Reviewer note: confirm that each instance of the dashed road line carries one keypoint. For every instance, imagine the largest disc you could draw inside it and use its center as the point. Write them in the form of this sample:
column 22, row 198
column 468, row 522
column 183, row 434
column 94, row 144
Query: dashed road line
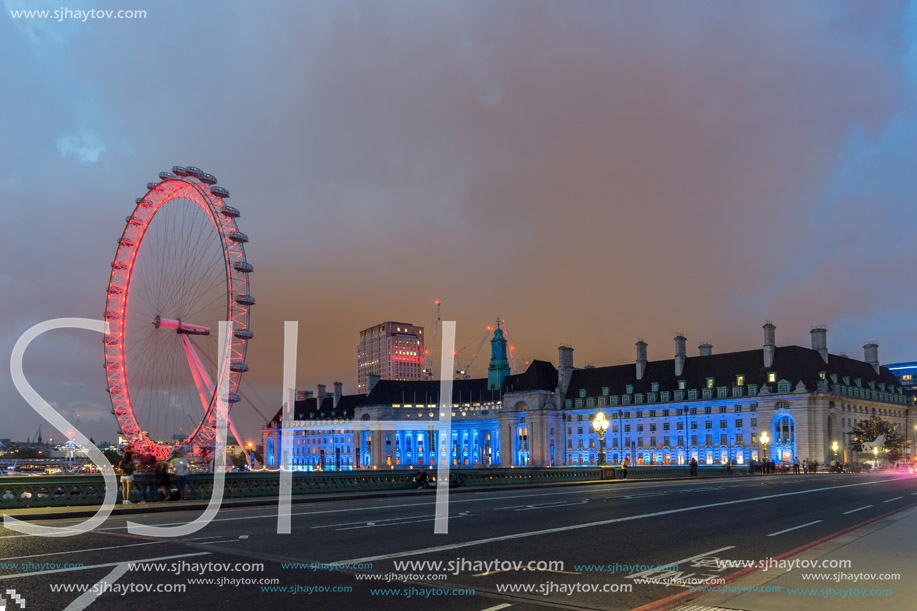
column 786, row 530
column 856, row 510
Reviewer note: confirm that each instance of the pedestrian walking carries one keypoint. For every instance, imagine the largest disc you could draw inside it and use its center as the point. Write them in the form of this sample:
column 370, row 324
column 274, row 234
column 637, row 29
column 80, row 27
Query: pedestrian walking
column 180, row 470
column 163, row 483
column 624, row 468
column 693, row 467
column 126, row 466
column 796, row 466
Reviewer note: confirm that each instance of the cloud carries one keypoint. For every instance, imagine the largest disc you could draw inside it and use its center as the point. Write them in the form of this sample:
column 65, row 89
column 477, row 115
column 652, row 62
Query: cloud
column 591, row 171
column 82, row 144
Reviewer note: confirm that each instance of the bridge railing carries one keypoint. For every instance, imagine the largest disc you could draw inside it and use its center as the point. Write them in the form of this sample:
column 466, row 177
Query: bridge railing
column 50, row 491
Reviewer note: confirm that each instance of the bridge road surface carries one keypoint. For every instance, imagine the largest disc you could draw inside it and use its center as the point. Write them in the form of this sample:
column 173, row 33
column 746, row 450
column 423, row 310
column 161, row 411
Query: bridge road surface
column 688, row 523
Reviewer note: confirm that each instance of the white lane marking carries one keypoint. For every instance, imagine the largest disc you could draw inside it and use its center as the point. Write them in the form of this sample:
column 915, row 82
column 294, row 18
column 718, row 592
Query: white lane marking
column 98, row 566
column 780, row 532
column 897, row 498
column 551, row 505
column 80, row 551
column 89, row 596
column 560, row 529
column 374, row 525
column 680, row 562
column 856, row 510
column 497, row 607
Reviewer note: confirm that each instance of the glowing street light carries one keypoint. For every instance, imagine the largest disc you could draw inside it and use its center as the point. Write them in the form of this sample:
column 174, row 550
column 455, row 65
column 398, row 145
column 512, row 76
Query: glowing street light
column 834, row 447
column 600, row 425
column 765, row 438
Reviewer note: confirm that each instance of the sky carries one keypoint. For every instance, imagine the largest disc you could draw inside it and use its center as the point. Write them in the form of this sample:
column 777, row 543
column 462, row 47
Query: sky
column 593, row 172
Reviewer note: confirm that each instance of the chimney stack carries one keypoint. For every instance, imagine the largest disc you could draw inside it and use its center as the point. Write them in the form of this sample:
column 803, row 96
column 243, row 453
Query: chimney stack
column 373, row 380
column 705, row 349
column 321, row 395
column 641, row 358
column 680, row 354
column 871, row 355
column 338, row 392
column 820, row 341
column 564, row 368
column 770, row 344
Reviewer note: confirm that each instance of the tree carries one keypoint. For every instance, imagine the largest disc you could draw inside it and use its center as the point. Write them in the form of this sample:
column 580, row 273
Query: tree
column 869, row 430
column 238, row 461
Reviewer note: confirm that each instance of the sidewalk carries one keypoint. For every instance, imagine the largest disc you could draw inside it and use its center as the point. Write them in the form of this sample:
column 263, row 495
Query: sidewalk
column 885, row 546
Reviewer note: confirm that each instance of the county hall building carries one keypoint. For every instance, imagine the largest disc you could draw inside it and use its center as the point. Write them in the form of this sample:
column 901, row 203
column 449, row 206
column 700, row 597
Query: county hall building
column 712, row 407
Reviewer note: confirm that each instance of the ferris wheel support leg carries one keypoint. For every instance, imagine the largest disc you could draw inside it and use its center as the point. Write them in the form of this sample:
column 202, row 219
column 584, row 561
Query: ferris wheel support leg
column 205, row 389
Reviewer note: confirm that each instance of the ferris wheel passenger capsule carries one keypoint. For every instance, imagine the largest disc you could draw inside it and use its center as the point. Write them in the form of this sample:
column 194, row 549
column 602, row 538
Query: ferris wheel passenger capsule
column 238, row 236
column 231, row 212
column 166, row 176
column 219, row 191
column 151, row 185
column 179, row 170
column 243, row 266
column 193, row 171
column 209, row 179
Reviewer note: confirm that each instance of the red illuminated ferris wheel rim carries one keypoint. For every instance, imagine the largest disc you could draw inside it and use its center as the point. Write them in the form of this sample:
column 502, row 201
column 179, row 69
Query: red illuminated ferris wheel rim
column 189, row 184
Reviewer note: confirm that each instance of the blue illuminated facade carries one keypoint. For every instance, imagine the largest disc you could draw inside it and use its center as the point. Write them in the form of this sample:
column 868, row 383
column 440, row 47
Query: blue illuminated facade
column 711, row 407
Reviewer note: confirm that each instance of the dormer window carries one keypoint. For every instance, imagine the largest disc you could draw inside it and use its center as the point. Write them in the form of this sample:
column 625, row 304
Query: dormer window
column 654, row 387
column 858, row 382
column 605, row 391
column 822, row 375
column 771, row 377
column 740, row 380
column 692, row 394
column 582, row 393
column 681, row 384
column 710, row 382
column 629, row 389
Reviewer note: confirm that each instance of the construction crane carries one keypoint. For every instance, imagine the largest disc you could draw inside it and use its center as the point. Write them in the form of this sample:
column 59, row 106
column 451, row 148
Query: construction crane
column 430, row 352
column 463, row 372
column 512, row 348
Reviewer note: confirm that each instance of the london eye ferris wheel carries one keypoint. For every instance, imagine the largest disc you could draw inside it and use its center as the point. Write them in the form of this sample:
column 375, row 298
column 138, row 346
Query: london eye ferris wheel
column 179, row 269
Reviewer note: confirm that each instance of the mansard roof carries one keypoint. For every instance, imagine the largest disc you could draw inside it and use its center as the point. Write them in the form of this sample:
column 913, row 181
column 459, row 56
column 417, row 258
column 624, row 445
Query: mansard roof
column 540, row 375
column 791, row 363
column 309, row 409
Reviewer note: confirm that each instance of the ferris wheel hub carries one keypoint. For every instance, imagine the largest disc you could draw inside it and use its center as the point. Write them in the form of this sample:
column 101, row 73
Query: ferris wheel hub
column 179, row 326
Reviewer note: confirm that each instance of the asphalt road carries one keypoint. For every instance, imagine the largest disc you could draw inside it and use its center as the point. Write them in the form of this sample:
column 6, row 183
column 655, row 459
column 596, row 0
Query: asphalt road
column 639, row 525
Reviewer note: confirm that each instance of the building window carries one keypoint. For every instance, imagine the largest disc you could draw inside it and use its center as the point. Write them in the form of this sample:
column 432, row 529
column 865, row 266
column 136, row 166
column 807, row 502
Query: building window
column 665, row 426
column 736, row 391
column 692, row 394
column 582, row 393
column 707, row 393
column 590, row 402
column 723, row 424
column 605, row 391
column 754, row 422
column 752, row 389
column 665, row 396
column 654, row 386
column 629, row 389
column 708, row 425
column 627, row 428
column 639, row 428
column 708, row 410
column 740, row 380
column 771, row 377
column 681, row 384
column 738, row 423
column 710, row 382
column 638, row 398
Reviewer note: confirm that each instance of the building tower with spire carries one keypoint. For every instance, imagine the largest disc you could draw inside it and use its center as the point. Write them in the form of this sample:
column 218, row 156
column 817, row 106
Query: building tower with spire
column 499, row 365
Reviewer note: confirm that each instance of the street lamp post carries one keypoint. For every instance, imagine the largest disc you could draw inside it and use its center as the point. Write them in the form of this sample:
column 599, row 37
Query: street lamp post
column 765, row 438
column 600, row 425
column 875, row 456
